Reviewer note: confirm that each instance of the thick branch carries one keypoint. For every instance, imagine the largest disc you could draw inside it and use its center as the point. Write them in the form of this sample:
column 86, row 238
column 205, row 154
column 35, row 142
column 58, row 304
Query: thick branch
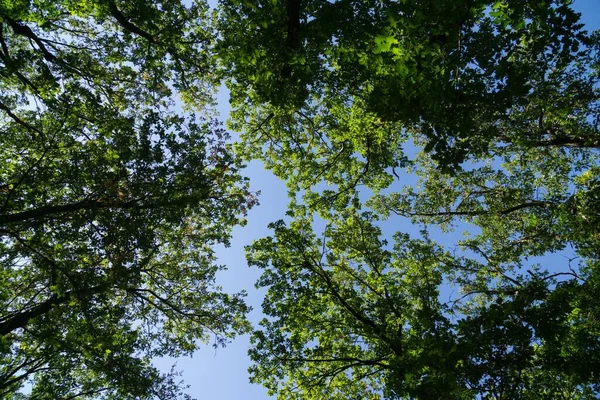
column 24, row 30
column 509, row 210
column 44, row 212
column 337, row 359
column 21, row 319
column 567, row 142
column 293, row 8
column 125, row 23
column 18, row 120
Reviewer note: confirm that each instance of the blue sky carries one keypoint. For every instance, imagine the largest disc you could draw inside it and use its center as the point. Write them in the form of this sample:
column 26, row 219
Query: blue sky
column 222, row 375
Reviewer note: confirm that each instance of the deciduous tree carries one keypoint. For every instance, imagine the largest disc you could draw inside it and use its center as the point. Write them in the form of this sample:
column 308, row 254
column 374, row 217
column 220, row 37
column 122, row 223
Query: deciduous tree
column 493, row 107
column 111, row 200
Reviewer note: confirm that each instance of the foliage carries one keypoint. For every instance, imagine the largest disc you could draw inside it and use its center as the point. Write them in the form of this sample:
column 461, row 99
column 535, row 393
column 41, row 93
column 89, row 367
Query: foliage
column 460, row 75
column 349, row 317
column 486, row 111
column 473, row 116
column 111, row 201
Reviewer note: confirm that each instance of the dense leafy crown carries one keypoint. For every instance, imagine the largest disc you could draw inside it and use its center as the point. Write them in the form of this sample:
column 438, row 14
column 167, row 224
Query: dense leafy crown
column 111, row 201
column 473, row 116
column 478, row 116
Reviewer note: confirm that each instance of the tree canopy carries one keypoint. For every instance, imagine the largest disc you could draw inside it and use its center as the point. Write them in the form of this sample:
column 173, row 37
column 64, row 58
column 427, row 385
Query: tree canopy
column 472, row 117
column 470, row 127
column 463, row 75
column 111, row 199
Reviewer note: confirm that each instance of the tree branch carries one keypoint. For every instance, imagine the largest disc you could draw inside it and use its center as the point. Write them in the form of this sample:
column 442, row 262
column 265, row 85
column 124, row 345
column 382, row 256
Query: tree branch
column 125, row 23
column 47, row 211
